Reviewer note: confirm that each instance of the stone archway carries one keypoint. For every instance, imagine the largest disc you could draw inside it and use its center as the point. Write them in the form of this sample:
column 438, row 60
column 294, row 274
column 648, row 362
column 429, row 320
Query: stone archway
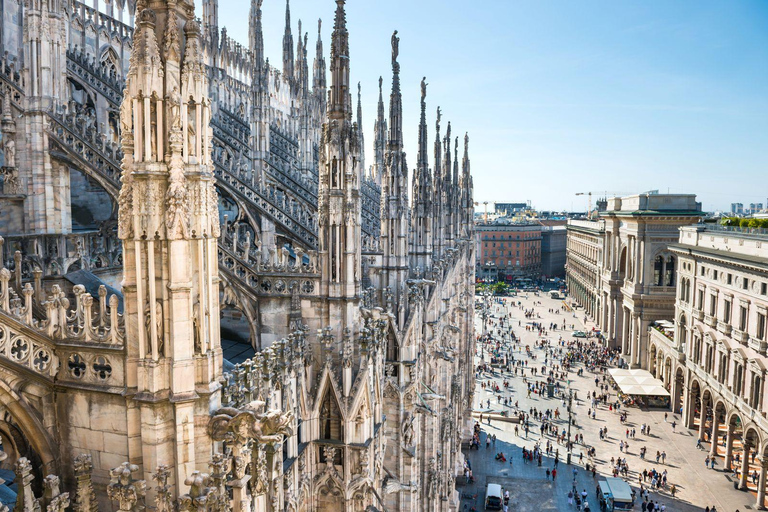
column 693, row 404
column 678, row 389
column 751, row 441
column 734, row 431
column 652, row 361
column 26, row 433
column 719, row 429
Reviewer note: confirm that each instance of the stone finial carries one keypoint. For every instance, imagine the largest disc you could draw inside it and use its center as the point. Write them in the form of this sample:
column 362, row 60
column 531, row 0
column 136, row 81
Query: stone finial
column 85, row 496
column 50, row 490
column 196, row 499
column 124, row 489
column 59, row 503
column 163, row 498
column 25, row 500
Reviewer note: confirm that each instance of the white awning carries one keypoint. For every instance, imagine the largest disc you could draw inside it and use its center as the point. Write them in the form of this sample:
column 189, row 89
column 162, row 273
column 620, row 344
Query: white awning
column 638, row 383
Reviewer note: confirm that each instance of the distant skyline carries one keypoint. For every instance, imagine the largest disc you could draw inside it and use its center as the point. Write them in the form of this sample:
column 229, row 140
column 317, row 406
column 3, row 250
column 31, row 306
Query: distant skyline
column 563, row 97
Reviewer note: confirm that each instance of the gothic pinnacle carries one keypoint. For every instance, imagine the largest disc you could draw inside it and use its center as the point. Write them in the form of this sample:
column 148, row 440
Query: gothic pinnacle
column 395, row 99
column 288, row 43
column 360, row 124
column 340, row 98
column 422, row 158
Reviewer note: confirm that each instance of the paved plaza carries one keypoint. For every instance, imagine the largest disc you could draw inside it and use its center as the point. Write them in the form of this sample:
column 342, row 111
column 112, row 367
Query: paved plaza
column 530, row 489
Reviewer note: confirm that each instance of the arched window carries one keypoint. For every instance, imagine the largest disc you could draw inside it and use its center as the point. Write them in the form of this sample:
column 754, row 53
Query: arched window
column 330, row 417
column 658, row 270
column 738, row 379
column 757, row 384
column 110, row 60
column 623, row 262
column 669, row 271
column 683, row 336
column 393, row 349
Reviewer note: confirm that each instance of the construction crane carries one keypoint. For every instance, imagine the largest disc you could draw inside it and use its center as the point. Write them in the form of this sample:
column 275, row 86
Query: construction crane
column 589, row 208
column 589, row 196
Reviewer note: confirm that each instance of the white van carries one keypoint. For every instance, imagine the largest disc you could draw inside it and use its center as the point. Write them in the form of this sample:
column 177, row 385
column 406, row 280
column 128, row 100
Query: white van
column 493, row 497
column 615, row 494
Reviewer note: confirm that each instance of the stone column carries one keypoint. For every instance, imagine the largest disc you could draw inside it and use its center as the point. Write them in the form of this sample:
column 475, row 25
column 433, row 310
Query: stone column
column 744, row 466
column 703, row 420
column 728, row 447
column 624, row 330
column 760, row 504
column 715, row 426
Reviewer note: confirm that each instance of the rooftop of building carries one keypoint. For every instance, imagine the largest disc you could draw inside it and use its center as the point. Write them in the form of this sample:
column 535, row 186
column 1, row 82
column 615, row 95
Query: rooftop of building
column 719, row 230
column 713, row 241
column 509, row 223
column 653, row 203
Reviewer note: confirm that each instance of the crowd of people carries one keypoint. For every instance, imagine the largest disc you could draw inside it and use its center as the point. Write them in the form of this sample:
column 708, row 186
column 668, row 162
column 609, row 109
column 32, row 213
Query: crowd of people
column 546, row 367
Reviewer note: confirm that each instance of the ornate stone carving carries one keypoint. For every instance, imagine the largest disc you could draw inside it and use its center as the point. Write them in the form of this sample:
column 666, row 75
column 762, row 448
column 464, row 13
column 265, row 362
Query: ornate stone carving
column 127, row 492
column 85, row 497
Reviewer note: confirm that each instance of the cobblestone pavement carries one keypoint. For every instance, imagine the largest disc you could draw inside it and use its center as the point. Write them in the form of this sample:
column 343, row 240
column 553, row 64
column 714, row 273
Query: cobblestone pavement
column 529, row 487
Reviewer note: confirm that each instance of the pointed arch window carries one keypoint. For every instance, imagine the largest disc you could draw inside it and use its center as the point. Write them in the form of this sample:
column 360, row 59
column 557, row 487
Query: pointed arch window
column 110, row 61
column 330, row 417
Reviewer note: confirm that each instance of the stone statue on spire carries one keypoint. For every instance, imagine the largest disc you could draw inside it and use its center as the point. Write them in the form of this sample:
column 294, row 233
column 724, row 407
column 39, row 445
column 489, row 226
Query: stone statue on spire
column 395, row 47
column 423, row 88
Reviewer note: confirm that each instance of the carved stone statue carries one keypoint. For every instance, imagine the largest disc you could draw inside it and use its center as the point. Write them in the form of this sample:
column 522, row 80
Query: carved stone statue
column 423, row 88
column 395, row 47
column 408, row 430
column 158, row 326
column 10, row 153
column 251, row 422
column 174, row 103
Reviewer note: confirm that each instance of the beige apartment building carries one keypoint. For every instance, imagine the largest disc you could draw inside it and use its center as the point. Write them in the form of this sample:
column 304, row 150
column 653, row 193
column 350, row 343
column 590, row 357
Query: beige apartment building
column 713, row 359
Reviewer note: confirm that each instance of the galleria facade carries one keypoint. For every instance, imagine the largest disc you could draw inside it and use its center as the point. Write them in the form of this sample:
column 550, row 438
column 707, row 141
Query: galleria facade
column 163, row 184
column 687, row 301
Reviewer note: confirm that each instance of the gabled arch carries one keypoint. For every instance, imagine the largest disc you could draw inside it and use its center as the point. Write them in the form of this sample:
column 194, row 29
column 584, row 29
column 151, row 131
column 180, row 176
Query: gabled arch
column 328, row 410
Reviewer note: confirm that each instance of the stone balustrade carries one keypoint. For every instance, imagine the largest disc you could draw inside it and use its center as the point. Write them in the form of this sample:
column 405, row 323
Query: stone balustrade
column 93, row 319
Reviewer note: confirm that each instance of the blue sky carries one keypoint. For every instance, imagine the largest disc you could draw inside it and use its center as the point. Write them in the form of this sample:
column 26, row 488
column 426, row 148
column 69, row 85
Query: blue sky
column 561, row 97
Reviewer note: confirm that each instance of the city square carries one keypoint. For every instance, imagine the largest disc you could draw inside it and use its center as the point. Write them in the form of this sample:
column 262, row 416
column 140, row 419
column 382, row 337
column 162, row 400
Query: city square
column 696, row 485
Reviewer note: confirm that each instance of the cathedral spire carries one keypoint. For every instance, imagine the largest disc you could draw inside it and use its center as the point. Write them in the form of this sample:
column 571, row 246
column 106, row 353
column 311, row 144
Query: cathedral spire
column 423, row 159
column 395, row 99
column 338, row 198
column 467, row 201
column 447, row 192
column 380, row 138
column 301, row 70
column 438, row 208
column 168, row 221
column 255, row 33
column 422, row 206
column 340, row 107
column 394, row 199
column 319, row 85
column 360, row 125
column 288, row 44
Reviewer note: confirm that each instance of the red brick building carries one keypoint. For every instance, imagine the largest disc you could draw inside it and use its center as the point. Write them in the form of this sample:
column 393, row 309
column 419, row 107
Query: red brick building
column 507, row 251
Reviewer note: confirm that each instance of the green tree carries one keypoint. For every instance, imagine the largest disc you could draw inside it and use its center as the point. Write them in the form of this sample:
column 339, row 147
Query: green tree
column 499, row 288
